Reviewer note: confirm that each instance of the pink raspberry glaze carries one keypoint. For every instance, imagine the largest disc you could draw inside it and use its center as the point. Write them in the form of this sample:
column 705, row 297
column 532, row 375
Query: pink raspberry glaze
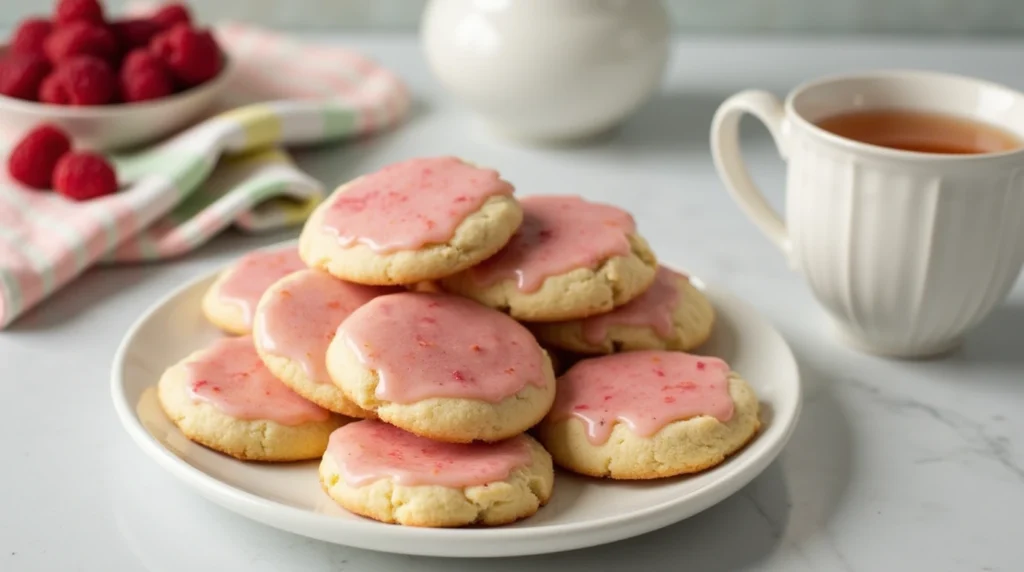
column 435, row 345
column 367, row 451
column 254, row 273
column 230, row 376
column 559, row 234
column 301, row 321
column 410, row 204
column 653, row 308
column 646, row 390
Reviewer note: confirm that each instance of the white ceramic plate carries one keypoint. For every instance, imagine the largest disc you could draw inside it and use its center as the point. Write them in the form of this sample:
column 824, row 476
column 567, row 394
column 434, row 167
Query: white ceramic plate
column 582, row 512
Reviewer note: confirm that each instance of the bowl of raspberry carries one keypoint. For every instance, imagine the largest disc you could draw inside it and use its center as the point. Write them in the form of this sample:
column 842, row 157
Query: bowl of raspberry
column 110, row 83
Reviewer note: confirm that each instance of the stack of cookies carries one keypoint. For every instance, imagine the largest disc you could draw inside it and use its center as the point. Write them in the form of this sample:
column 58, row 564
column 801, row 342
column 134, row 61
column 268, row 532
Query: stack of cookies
column 402, row 345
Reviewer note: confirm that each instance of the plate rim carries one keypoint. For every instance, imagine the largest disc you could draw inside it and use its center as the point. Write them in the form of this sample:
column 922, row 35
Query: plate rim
column 272, row 513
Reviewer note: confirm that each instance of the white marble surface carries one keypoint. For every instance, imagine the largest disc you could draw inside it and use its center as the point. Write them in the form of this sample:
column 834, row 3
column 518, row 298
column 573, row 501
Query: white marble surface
column 894, row 465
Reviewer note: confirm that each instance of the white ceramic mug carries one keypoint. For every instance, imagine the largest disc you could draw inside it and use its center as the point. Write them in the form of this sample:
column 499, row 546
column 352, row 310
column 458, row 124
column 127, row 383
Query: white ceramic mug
column 906, row 251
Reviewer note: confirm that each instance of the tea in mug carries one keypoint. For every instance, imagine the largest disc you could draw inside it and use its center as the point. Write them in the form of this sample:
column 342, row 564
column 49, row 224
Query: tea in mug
column 922, row 132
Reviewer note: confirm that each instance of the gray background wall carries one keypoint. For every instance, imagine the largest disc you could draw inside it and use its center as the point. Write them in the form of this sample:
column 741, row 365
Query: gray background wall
column 985, row 18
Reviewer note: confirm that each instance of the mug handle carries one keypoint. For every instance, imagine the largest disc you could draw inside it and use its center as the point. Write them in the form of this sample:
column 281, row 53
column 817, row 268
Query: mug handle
column 725, row 150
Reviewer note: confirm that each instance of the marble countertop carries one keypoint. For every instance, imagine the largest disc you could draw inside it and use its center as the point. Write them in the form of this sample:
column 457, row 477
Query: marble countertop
column 893, row 466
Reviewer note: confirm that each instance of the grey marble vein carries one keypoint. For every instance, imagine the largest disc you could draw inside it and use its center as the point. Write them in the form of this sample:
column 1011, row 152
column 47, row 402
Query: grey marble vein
column 993, row 447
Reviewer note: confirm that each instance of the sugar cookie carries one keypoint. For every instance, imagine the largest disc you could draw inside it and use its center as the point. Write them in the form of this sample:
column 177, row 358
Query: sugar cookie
column 412, row 221
column 648, row 414
column 381, row 472
column 231, row 300
column 442, row 367
column 569, row 259
column 670, row 315
column 223, row 397
column 295, row 322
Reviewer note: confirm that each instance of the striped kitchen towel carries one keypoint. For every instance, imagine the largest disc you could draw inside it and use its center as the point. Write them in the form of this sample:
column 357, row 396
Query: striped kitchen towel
column 227, row 170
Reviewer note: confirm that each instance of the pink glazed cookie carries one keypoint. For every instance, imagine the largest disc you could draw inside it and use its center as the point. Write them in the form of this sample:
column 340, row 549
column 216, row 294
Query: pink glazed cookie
column 296, row 320
column 381, row 472
column 442, row 367
column 569, row 259
column 231, row 300
column 648, row 414
column 670, row 315
column 223, row 397
column 412, row 221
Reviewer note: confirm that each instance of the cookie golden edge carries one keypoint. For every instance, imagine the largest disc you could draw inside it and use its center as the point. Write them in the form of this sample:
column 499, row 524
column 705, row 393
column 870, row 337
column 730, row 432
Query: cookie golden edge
column 681, row 447
column 518, row 496
column 479, row 236
column 448, row 419
column 693, row 320
column 579, row 293
column 226, row 316
column 257, row 440
column 291, row 372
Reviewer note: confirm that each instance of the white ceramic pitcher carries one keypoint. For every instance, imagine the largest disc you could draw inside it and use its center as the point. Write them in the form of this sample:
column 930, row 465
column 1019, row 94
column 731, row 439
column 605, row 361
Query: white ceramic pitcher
column 548, row 70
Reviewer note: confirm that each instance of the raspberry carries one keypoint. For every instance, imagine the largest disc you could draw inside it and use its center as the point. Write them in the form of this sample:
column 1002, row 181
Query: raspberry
column 171, row 15
column 192, row 55
column 135, row 33
column 30, row 36
column 144, row 76
column 21, row 75
column 81, row 38
column 33, row 159
column 52, row 92
column 68, row 11
column 83, row 80
column 82, row 176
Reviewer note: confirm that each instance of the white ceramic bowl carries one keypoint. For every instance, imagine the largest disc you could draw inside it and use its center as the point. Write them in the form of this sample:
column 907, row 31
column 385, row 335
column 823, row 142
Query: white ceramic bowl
column 111, row 127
